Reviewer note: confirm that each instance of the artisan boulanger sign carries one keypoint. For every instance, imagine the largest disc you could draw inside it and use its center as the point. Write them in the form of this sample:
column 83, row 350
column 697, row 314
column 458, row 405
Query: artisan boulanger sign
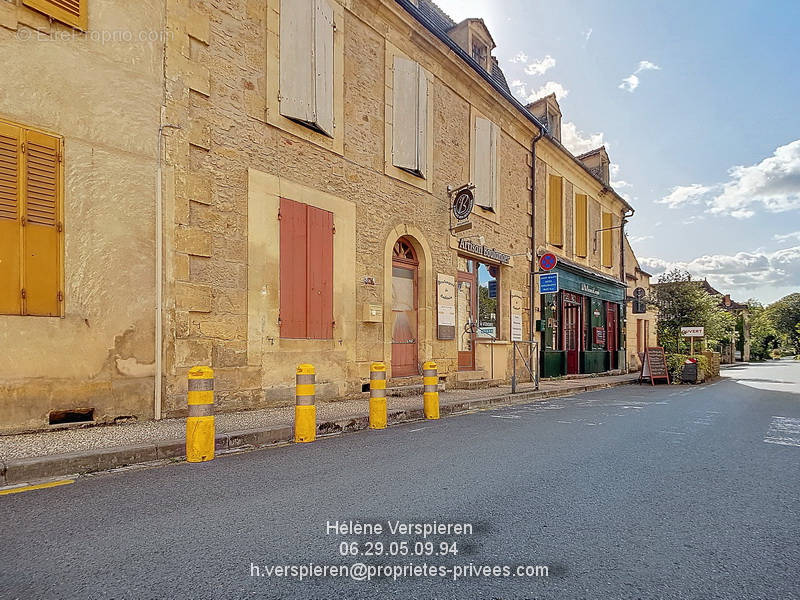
column 484, row 251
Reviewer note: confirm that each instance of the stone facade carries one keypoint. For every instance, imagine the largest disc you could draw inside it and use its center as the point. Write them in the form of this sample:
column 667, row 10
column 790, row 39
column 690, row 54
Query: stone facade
column 642, row 328
column 102, row 99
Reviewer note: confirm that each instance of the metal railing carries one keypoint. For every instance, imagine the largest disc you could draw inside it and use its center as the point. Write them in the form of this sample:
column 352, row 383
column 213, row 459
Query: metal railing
column 530, row 362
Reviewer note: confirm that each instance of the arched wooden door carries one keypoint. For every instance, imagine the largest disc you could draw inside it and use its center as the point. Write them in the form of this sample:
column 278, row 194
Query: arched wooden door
column 405, row 345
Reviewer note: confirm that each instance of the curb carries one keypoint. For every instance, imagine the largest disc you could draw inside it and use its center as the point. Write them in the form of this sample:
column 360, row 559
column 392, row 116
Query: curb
column 26, row 470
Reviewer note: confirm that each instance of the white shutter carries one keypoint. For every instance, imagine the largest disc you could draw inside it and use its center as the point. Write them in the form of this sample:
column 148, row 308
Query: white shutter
column 297, row 79
column 323, row 65
column 485, row 163
column 494, row 176
column 422, row 121
column 405, row 100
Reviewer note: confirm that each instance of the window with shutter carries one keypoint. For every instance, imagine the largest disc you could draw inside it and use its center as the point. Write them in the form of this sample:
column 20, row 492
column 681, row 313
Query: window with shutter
column 70, row 12
column 581, row 222
column 608, row 237
column 10, row 231
column 555, row 206
column 485, row 166
column 409, row 116
column 306, row 63
column 306, row 271
column 31, row 232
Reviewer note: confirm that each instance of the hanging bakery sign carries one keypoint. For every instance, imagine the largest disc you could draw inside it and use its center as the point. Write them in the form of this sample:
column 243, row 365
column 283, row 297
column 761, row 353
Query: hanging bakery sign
column 463, row 203
column 466, row 245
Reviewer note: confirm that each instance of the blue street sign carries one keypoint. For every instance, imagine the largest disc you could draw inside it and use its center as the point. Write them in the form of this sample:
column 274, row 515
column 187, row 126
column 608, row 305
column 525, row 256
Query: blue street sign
column 492, row 288
column 548, row 283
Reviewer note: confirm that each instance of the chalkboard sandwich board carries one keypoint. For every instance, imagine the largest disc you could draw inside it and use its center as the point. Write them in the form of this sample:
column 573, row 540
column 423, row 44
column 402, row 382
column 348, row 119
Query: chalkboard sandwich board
column 654, row 365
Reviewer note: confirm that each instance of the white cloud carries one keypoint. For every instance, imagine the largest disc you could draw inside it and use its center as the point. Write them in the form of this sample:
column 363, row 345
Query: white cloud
column 744, row 270
column 629, row 84
column 795, row 235
column 540, row 67
column 646, row 65
column 577, row 142
column 772, row 185
column 520, row 57
column 685, row 194
column 548, row 88
column 617, row 183
column 635, row 239
column 587, row 34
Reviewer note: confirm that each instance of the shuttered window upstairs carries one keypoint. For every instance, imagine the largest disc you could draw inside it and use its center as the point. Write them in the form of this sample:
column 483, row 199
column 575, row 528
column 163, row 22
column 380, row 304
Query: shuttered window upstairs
column 608, row 237
column 306, row 271
column 71, row 12
column 581, row 222
column 306, row 63
column 409, row 116
column 485, row 164
column 555, row 210
column 30, row 222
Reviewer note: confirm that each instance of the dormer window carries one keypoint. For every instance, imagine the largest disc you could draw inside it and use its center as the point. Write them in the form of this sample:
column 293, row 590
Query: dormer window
column 480, row 52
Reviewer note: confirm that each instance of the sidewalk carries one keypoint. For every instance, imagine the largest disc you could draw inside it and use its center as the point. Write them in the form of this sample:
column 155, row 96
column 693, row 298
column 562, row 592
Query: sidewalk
column 32, row 456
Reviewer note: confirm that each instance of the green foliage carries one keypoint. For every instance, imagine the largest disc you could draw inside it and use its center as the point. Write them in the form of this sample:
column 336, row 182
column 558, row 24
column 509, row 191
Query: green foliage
column 675, row 365
column 764, row 338
column 785, row 316
column 683, row 303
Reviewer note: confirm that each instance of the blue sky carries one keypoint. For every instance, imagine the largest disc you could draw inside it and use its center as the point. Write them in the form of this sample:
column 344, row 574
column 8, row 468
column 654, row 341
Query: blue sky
column 699, row 106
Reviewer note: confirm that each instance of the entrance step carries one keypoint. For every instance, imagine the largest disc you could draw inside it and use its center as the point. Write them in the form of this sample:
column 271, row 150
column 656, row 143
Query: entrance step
column 408, row 386
column 476, row 384
column 470, row 375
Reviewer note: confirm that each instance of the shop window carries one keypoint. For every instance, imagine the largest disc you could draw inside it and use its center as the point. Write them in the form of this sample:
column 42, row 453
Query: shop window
column 31, row 229
column 306, row 63
column 306, row 271
column 488, row 306
column 410, row 117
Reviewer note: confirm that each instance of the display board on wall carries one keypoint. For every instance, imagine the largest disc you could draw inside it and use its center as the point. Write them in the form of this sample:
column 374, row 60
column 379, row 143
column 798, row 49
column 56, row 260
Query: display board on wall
column 445, row 306
column 516, row 315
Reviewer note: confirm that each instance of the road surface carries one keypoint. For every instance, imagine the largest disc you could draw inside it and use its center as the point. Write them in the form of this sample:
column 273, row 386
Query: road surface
column 632, row 492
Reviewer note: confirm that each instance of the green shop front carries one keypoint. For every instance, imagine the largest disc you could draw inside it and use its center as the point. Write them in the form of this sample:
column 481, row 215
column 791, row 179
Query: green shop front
column 582, row 323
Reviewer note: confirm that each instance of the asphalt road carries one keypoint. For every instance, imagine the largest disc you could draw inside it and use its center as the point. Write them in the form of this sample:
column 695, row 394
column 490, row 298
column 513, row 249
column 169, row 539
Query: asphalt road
column 632, row 492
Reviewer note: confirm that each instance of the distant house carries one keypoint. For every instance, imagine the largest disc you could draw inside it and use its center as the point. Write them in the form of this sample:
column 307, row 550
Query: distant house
column 740, row 349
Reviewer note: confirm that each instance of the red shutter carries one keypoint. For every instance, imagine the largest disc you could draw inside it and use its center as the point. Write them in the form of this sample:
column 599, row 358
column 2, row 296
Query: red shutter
column 10, row 295
column 320, row 274
column 293, row 264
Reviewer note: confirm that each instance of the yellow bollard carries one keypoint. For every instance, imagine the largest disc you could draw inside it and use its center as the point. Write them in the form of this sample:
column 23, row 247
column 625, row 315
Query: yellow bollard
column 377, row 396
column 430, row 379
column 200, row 422
column 305, row 412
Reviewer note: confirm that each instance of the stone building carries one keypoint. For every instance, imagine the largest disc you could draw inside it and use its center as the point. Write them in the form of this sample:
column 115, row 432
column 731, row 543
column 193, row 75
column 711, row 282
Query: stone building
column 642, row 318
column 79, row 123
column 307, row 156
column 580, row 219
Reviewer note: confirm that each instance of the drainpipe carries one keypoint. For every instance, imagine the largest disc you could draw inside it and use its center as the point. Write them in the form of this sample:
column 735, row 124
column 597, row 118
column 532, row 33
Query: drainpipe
column 532, row 277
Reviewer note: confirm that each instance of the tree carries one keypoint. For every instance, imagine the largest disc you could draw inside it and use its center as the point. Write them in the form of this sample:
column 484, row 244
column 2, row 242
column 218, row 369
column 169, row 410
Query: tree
column 785, row 315
column 681, row 302
column 764, row 338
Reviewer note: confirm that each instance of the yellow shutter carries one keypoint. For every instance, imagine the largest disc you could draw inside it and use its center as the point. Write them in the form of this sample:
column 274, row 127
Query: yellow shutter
column 555, row 208
column 608, row 250
column 580, row 224
column 71, row 12
column 42, row 228
column 10, row 284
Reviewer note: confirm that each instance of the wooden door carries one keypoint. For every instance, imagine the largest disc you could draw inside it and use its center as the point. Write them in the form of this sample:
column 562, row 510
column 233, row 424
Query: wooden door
column 571, row 335
column 466, row 319
column 405, row 345
column 611, row 334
